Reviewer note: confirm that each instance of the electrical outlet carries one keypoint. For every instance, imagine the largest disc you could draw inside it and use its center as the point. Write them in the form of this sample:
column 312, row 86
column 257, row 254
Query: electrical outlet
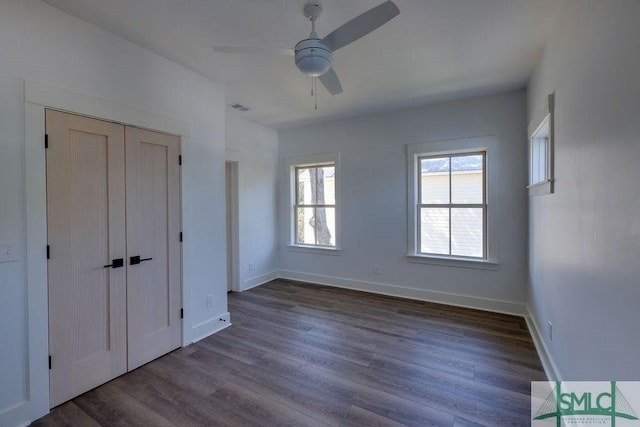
column 250, row 266
column 550, row 327
column 209, row 302
column 376, row 269
column 8, row 252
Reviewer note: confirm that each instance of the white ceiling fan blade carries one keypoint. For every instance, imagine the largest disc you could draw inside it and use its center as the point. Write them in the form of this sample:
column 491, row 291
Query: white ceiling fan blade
column 253, row 50
column 361, row 25
column 331, row 82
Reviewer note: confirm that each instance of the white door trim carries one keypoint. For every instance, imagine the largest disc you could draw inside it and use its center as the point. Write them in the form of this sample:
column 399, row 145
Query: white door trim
column 235, row 243
column 237, row 160
column 37, row 97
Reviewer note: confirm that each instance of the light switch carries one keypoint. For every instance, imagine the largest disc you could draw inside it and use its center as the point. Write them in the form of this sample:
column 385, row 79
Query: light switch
column 8, row 252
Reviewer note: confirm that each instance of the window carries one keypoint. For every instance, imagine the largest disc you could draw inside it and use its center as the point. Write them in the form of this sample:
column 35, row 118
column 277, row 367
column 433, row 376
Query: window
column 314, row 209
column 541, row 150
column 539, row 154
column 452, row 208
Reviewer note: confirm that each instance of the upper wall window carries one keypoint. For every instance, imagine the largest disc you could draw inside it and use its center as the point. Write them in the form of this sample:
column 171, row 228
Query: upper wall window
column 452, row 208
column 314, row 194
column 541, row 150
column 539, row 154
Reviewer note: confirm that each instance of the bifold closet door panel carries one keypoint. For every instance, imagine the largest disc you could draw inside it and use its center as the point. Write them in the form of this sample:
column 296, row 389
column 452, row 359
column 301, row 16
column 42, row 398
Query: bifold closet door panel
column 86, row 233
column 153, row 245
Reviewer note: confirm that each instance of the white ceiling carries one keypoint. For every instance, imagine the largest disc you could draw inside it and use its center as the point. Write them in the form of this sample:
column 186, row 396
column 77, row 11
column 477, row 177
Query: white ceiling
column 434, row 50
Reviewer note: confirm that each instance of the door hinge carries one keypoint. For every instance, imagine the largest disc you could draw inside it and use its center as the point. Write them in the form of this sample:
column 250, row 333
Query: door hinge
column 180, row 160
column 46, row 141
column 181, row 236
column 49, row 362
column 48, row 252
column 182, row 313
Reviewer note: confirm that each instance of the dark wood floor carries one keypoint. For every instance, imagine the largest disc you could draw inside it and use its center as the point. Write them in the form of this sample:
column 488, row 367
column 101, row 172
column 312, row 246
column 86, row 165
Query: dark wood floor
column 303, row 355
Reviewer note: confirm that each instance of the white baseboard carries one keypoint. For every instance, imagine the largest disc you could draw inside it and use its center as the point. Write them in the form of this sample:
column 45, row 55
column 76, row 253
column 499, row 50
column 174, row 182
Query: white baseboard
column 550, row 367
column 497, row 306
column 16, row 416
column 210, row 327
column 261, row 279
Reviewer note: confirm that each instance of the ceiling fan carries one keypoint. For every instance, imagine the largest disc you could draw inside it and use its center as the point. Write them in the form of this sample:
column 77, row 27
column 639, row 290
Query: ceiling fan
column 313, row 55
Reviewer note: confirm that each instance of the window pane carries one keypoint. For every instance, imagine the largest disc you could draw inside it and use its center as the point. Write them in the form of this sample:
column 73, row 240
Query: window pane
column 304, row 186
column 316, row 185
column 434, row 175
column 305, row 233
column 434, row 230
column 467, row 179
column 535, row 161
column 542, row 166
column 325, row 224
column 539, row 160
column 315, row 226
column 466, row 232
column 325, row 185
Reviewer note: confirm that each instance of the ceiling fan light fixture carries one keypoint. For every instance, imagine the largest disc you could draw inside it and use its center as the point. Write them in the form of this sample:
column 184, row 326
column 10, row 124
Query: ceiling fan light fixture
column 313, row 58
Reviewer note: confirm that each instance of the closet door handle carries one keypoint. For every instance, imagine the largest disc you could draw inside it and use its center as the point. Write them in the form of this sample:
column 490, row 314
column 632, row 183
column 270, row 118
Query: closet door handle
column 116, row 263
column 135, row 260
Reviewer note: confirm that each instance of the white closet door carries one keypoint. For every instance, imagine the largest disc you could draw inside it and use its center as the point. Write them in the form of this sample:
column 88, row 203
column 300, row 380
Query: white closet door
column 153, row 230
column 86, row 232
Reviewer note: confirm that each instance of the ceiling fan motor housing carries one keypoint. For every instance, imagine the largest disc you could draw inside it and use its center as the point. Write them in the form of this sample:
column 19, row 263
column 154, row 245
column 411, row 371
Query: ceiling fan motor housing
column 312, row 57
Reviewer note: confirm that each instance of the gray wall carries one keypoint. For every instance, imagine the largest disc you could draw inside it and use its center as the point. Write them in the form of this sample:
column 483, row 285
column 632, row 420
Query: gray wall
column 373, row 188
column 255, row 149
column 585, row 238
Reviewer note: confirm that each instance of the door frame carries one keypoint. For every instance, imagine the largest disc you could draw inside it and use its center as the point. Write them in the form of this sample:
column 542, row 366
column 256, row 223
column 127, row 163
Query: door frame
column 37, row 98
column 235, row 215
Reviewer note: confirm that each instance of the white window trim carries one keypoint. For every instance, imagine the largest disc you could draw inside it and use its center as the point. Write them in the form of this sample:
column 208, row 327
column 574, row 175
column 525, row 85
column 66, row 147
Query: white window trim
column 447, row 147
column 546, row 113
column 308, row 160
column 452, row 261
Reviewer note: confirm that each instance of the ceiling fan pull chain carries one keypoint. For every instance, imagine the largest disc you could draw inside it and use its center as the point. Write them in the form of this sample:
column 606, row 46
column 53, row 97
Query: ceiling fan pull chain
column 315, row 90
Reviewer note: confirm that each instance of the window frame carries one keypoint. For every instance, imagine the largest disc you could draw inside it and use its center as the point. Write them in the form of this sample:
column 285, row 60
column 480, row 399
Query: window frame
column 450, row 206
column 486, row 143
column 305, row 161
column 543, row 118
column 298, row 206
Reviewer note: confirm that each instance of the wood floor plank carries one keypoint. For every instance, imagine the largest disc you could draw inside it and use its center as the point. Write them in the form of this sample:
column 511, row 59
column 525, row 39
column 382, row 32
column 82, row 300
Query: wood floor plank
column 237, row 350
column 182, row 375
column 171, row 401
column 350, row 388
column 372, row 419
column 321, row 376
column 321, row 406
column 258, row 409
column 110, row 407
column 278, row 340
column 461, row 422
column 313, row 355
column 67, row 415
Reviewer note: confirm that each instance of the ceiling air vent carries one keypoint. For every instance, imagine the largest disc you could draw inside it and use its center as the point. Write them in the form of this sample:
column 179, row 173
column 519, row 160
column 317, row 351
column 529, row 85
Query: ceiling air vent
column 240, row 107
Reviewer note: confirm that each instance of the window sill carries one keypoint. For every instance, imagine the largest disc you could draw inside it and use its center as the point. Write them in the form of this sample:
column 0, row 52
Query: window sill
column 321, row 250
column 541, row 188
column 479, row 264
